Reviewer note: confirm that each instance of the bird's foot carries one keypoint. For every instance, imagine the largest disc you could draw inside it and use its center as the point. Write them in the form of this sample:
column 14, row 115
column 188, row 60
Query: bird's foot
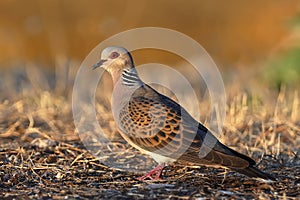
column 154, row 174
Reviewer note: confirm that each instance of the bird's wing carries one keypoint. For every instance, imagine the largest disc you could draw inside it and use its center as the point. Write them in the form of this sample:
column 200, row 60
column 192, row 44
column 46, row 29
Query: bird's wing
column 156, row 123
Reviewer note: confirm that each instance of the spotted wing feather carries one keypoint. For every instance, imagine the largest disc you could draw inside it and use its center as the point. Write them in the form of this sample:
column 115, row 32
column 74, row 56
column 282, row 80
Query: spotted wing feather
column 156, row 123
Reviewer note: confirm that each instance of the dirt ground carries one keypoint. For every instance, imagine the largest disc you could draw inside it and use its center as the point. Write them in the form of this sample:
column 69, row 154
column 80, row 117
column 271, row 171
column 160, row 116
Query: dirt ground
column 42, row 157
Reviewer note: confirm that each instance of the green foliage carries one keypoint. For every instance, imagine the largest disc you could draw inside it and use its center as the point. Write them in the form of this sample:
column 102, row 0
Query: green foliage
column 284, row 70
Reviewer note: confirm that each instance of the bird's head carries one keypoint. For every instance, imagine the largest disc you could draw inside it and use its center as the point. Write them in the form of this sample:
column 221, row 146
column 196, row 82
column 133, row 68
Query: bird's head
column 114, row 60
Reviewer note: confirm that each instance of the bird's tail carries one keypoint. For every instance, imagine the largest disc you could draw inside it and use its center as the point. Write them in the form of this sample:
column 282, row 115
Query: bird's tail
column 253, row 172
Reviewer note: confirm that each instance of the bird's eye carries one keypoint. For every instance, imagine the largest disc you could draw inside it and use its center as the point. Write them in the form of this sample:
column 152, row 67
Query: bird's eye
column 114, row 55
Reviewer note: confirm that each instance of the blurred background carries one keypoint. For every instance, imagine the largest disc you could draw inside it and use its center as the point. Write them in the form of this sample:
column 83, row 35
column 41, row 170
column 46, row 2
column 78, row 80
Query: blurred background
column 44, row 42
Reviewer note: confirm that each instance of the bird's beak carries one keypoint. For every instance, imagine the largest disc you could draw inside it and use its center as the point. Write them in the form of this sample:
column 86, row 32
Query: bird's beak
column 100, row 63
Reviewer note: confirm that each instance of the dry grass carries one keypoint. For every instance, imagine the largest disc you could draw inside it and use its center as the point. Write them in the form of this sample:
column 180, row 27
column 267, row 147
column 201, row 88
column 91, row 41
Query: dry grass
column 41, row 156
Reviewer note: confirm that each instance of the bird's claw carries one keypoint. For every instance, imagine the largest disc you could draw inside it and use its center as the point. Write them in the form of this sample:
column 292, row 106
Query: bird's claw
column 154, row 174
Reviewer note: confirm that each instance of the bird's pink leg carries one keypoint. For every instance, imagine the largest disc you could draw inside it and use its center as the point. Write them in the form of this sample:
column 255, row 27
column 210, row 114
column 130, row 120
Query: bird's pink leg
column 154, row 174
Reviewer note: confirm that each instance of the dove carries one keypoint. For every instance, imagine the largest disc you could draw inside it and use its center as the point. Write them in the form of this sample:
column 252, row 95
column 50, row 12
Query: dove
column 158, row 126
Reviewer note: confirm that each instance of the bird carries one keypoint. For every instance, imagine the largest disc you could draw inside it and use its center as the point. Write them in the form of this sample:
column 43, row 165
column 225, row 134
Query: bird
column 160, row 127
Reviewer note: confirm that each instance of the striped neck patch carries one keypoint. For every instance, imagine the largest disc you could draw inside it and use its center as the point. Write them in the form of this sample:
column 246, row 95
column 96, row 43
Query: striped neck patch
column 130, row 77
